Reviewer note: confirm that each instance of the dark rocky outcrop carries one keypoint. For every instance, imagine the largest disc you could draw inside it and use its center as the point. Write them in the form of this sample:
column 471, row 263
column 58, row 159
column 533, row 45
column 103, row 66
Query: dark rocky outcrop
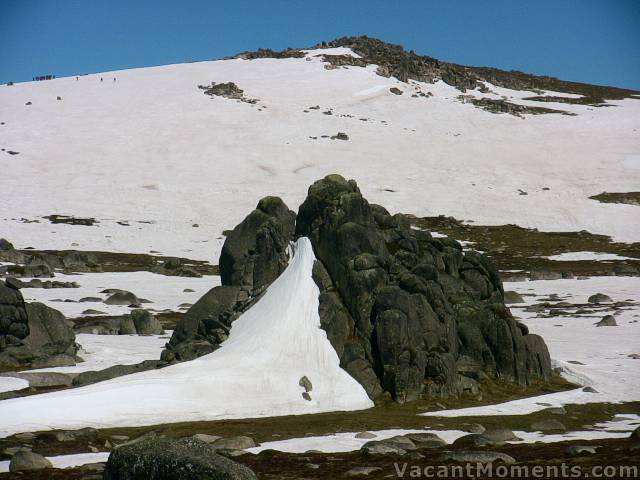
column 409, row 314
column 32, row 334
column 255, row 252
column 269, row 53
column 395, row 61
column 503, row 106
column 227, row 90
column 166, row 459
column 253, row 255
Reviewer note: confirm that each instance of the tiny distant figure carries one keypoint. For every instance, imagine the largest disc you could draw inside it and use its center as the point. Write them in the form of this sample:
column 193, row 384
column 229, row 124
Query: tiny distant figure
column 100, row 78
column 76, row 78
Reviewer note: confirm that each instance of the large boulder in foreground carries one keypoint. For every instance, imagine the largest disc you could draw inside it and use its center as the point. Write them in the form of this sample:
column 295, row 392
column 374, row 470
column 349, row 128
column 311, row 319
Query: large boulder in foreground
column 32, row 335
column 422, row 315
column 254, row 254
column 168, row 459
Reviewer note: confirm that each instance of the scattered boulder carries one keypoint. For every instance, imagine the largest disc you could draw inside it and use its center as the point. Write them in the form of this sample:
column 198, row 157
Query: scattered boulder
column 511, row 297
column 306, row 384
column 484, row 456
column 500, row 435
column 24, row 460
column 361, row 471
column 90, row 299
column 425, row 440
column 168, row 459
column 365, row 435
column 550, row 425
column 203, row 437
column 340, row 136
column 234, row 443
column 14, row 283
column 128, row 326
column 474, row 440
column 396, row 91
column 607, row 321
column 399, row 441
column 122, row 297
column 474, row 428
column 575, row 450
column 380, row 448
column 145, row 323
column 32, row 334
column 599, row 298
column 227, row 90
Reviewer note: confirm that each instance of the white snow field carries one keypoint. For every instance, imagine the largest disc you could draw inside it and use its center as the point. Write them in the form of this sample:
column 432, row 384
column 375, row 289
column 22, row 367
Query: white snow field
column 9, row 384
column 603, row 354
column 598, row 256
column 165, row 292
column 151, row 147
column 256, row 372
column 103, row 351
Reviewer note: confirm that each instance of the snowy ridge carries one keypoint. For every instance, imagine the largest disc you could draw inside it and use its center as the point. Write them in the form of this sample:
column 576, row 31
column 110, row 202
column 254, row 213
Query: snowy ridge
column 255, row 373
column 151, row 147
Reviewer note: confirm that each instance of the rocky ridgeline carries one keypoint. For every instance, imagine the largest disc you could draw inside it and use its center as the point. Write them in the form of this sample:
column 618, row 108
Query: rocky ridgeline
column 407, row 314
column 32, row 335
column 394, row 61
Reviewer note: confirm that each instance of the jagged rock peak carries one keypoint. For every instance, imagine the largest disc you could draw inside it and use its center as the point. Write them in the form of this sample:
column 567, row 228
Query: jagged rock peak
column 407, row 314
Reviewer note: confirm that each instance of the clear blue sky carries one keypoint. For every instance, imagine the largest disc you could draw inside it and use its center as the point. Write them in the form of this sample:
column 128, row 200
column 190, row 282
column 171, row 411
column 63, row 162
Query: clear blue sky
column 593, row 41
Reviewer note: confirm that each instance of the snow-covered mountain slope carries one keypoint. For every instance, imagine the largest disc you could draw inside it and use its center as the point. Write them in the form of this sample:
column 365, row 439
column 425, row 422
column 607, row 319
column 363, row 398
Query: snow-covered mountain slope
column 152, row 147
column 256, row 372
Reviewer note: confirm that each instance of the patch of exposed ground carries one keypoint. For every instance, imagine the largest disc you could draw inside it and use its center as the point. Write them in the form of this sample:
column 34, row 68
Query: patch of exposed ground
column 503, row 106
column 630, row 198
column 227, row 90
column 515, row 248
column 552, row 457
column 272, row 464
column 386, row 414
column 592, row 102
column 43, row 263
column 168, row 320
